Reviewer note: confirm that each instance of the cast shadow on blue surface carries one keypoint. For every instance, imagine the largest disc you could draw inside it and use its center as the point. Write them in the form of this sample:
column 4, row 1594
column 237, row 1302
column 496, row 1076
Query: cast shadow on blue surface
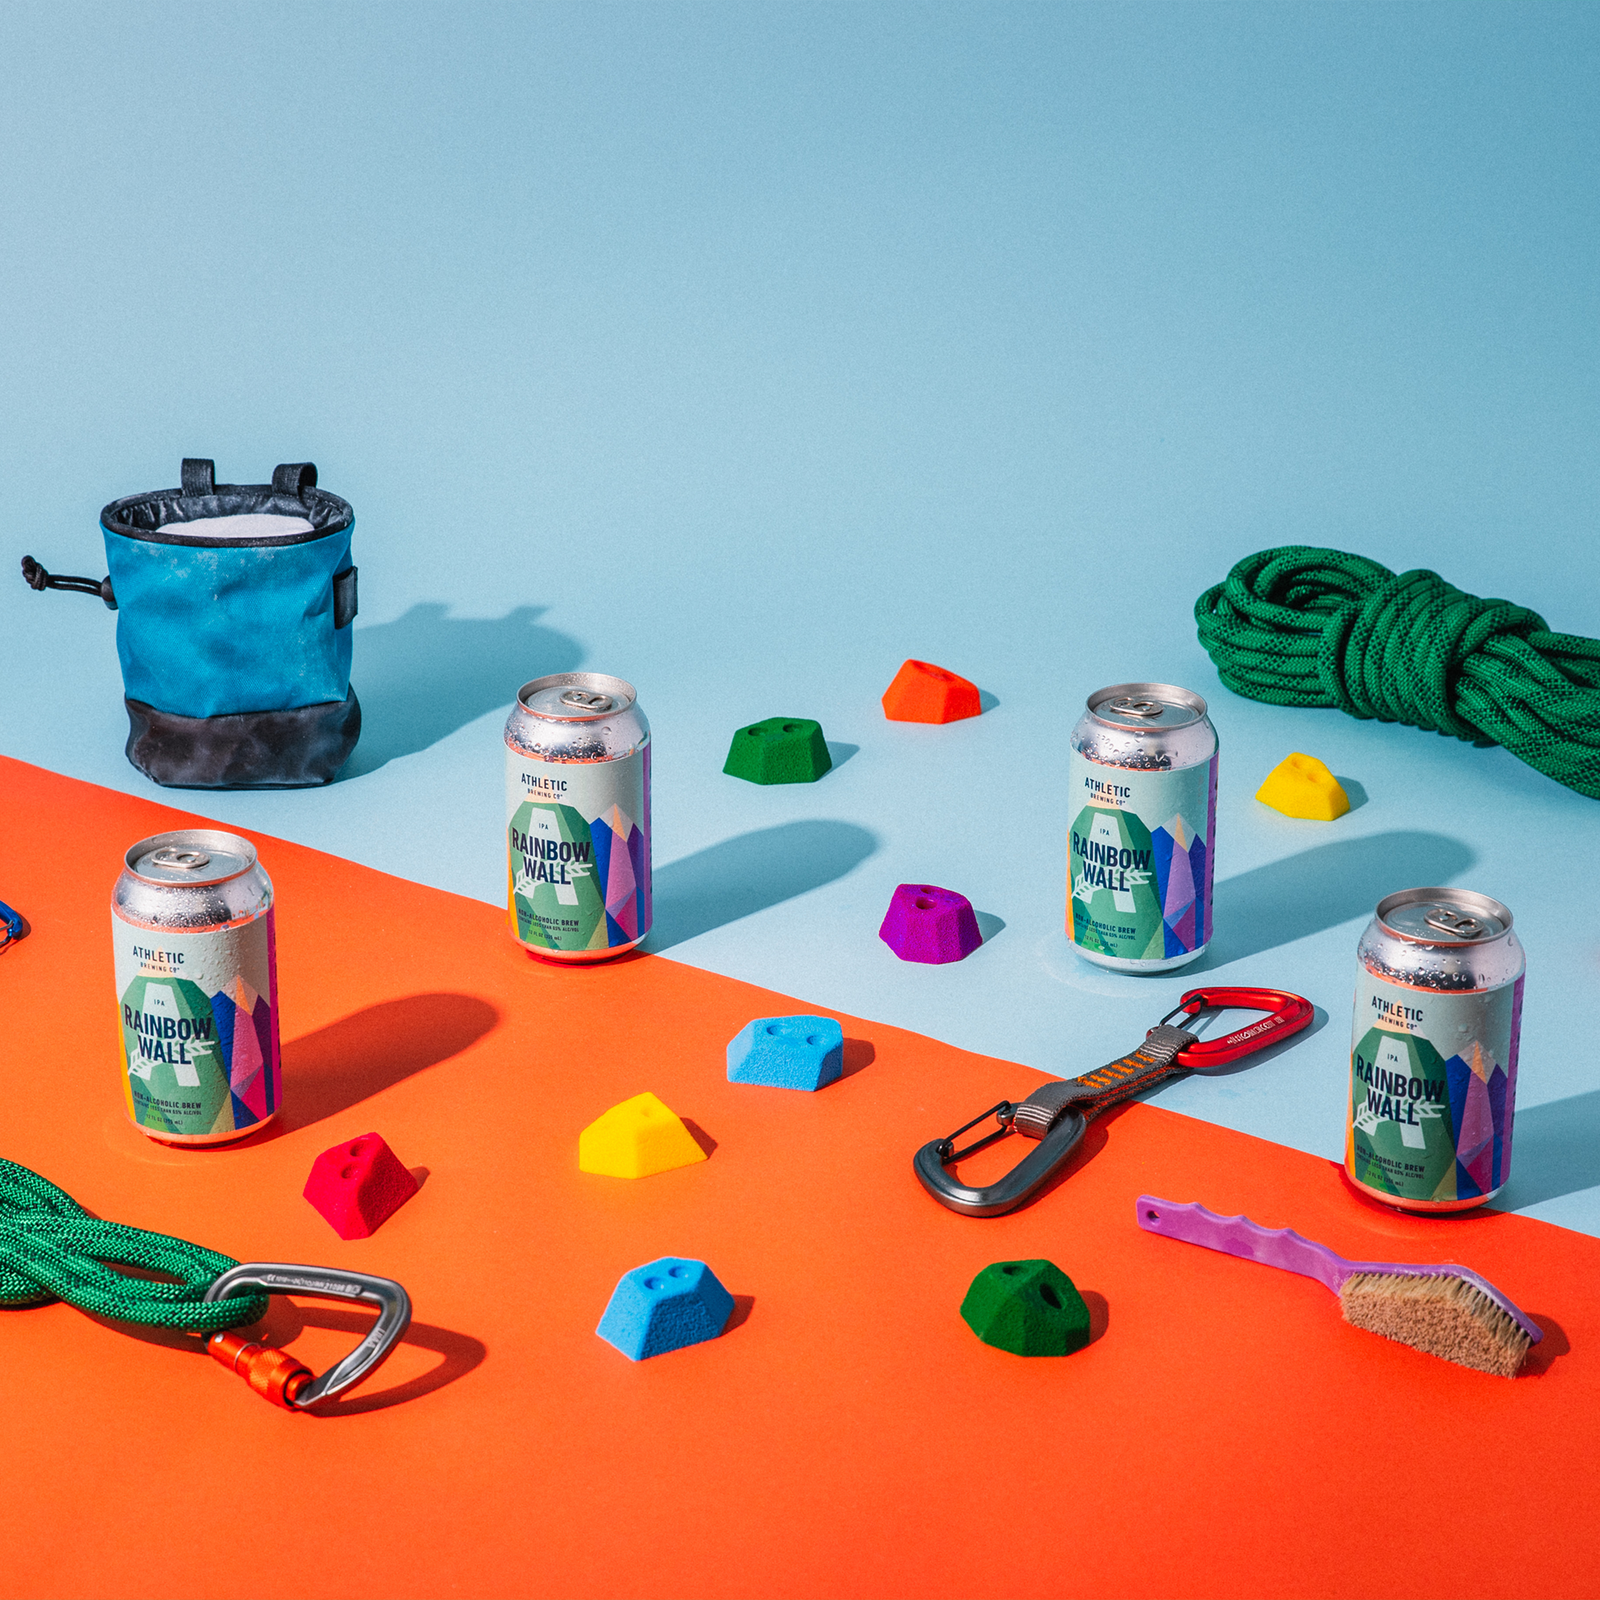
column 425, row 674
column 1555, row 1151
column 989, row 924
column 1323, row 887
column 748, row 873
column 1354, row 792
column 839, row 753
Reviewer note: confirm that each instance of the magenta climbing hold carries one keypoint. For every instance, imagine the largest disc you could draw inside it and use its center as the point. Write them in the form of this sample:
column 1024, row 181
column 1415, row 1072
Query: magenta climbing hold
column 358, row 1186
column 927, row 923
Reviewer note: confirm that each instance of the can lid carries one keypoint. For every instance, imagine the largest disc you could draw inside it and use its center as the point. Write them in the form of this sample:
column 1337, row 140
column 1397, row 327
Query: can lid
column 1146, row 705
column 190, row 857
column 576, row 696
column 1443, row 916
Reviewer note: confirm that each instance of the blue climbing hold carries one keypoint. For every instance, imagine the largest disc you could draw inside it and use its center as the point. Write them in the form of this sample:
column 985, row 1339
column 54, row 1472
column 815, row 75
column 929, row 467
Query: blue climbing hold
column 787, row 1052
column 665, row 1305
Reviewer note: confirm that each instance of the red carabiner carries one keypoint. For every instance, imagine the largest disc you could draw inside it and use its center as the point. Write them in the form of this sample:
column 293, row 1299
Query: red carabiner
column 1288, row 1014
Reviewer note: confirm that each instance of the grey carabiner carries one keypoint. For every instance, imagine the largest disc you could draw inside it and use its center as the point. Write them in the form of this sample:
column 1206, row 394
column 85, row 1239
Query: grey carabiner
column 932, row 1163
column 328, row 1283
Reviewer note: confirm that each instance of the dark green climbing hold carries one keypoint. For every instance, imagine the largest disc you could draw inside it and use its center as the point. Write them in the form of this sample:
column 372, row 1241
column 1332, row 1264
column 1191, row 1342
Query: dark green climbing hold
column 779, row 750
column 1027, row 1307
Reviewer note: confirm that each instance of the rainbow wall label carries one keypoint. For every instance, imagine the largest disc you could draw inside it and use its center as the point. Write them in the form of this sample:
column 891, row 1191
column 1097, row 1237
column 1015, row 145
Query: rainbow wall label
column 1433, row 1089
column 1139, row 859
column 199, row 1016
column 578, row 851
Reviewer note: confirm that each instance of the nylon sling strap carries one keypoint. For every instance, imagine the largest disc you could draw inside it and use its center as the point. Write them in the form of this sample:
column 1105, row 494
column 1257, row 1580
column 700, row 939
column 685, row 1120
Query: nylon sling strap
column 1097, row 1091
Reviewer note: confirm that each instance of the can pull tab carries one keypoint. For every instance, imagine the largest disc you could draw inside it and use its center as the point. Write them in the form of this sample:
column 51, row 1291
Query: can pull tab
column 1443, row 920
column 1126, row 706
column 274, row 1374
column 586, row 700
column 180, row 860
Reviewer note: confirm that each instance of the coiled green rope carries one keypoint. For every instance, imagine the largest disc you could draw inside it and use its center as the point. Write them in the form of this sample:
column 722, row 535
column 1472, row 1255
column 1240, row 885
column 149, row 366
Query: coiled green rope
column 1299, row 626
column 51, row 1248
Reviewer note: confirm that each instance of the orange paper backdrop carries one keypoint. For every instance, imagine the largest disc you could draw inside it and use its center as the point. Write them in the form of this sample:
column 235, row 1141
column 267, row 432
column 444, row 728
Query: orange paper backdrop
column 1225, row 1434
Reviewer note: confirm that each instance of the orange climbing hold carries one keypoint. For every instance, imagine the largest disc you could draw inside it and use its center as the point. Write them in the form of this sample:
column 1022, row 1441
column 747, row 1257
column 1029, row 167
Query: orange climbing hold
column 922, row 692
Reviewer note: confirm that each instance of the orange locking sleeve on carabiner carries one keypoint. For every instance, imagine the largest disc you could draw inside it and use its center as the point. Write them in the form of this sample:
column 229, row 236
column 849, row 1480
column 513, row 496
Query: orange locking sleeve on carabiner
column 274, row 1374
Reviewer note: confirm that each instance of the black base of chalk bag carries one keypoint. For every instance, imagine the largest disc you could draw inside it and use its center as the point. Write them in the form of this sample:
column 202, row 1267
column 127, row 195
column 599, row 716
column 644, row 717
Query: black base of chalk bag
column 234, row 604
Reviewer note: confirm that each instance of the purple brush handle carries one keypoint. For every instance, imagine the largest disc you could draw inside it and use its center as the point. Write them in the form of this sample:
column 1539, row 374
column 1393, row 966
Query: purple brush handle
column 1239, row 1236
column 1283, row 1247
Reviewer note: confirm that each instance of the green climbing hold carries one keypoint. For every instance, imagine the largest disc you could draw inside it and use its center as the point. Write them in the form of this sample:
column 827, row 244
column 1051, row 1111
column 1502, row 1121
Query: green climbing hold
column 1027, row 1307
column 779, row 750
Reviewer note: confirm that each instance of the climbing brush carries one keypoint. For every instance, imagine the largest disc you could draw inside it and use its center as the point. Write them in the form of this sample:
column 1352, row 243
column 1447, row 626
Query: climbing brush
column 1444, row 1310
column 1300, row 626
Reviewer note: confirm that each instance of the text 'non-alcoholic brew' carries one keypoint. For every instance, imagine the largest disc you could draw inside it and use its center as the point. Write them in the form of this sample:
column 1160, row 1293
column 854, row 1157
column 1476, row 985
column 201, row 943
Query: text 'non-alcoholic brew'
column 1433, row 1053
column 578, row 817
column 197, row 985
column 1142, row 803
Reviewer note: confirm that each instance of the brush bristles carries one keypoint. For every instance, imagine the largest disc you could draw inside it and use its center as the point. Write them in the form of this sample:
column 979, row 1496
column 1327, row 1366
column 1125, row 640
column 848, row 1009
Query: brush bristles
column 1446, row 1316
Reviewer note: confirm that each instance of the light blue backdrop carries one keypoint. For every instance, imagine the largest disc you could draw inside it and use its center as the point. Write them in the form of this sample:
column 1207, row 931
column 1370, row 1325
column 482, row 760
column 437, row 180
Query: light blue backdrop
column 747, row 350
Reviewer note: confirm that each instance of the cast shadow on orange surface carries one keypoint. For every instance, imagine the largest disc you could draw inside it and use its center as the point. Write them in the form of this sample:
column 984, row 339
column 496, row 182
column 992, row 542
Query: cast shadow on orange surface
column 743, row 1305
column 858, row 1054
column 1538, row 1360
column 341, row 1065
column 1099, row 1314
column 699, row 1135
column 458, row 1354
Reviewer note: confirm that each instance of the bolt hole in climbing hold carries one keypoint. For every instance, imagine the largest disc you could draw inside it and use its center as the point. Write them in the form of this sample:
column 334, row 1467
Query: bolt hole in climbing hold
column 1010, row 1272
column 812, row 1038
column 677, row 1272
column 922, row 903
column 652, row 1283
column 789, row 727
column 1154, row 1216
column 347, row 1173
column 1048, row 1294
column 358, row 1147
column 772, row 1028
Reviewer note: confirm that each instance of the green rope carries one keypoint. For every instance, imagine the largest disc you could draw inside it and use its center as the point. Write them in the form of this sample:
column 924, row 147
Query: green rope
column 52, row 1249
column 1299, row 626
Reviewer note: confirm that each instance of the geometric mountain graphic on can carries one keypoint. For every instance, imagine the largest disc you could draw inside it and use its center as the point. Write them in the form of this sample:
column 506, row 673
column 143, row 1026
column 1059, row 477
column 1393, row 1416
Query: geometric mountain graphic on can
column 620, row 865
column 1478, row 1101
column 244, row 1027
column 1113, row 880
column 557, row 896
column 1180, row 865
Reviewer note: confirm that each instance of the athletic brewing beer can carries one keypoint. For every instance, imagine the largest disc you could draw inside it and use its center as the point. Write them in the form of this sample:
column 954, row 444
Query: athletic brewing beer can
column 1142, row 792
column 578, row 817
column 197, row 981
column 1433, row 1055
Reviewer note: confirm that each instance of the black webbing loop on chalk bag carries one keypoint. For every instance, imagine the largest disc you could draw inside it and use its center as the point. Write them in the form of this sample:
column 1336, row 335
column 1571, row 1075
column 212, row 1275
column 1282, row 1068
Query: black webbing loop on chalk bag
column 294, row 478
column 344, row 598
column 199, row 477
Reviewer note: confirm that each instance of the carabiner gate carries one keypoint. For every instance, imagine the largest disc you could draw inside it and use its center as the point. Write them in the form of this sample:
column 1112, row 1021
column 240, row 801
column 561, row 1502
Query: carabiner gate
column 1057, row 1113
column 274, row 1374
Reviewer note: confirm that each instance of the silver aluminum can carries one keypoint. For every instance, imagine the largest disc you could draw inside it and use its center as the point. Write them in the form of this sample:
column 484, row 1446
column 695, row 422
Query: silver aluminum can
column 1433, row 1051
column 578, row 817
column 1142, row 791
column 195, row 952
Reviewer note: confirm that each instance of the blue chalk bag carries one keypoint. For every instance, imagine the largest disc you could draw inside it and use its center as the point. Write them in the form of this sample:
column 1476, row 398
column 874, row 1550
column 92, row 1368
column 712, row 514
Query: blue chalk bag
column 234, row 604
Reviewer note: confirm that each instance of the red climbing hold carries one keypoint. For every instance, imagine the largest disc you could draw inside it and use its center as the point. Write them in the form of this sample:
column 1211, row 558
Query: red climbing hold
column 922, row 692
column 359, row 1185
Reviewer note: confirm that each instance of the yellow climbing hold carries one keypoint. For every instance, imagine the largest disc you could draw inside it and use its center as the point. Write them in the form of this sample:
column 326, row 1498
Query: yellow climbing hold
column 1300, row 786
column 637, row 1138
